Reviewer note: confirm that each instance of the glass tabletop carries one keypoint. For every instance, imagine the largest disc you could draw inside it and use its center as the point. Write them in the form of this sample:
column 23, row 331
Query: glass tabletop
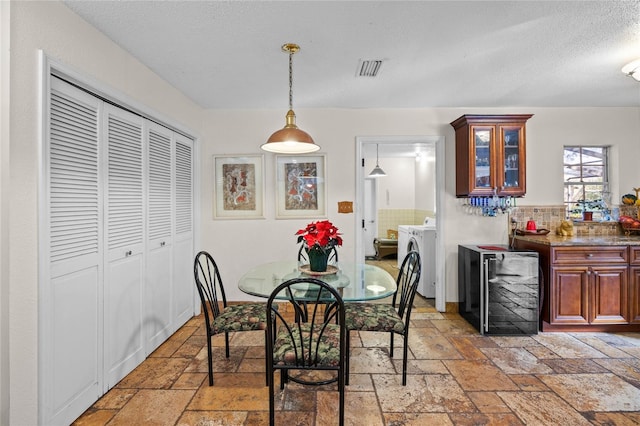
column 354, row 281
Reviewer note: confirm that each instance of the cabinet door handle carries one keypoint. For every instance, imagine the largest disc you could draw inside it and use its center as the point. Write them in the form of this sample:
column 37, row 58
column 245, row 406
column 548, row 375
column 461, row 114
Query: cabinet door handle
column 590, row 255
column 162, row 244
column 128, row 253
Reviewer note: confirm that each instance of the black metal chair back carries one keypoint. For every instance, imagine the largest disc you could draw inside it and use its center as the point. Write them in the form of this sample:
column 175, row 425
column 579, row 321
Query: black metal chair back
column 303, row 258
column 210, row 288
column 407, row 282
column 309, row 334
column 218, row 317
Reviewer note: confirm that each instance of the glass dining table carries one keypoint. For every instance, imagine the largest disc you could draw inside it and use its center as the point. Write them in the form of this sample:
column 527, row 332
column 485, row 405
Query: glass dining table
column 354, row 281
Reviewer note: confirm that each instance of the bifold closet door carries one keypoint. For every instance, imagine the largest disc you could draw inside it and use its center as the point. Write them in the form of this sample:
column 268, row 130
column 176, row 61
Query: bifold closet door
column 125, row 230
column 71, row 315
column 159, row 319
column 117, row 231
column 183, row 285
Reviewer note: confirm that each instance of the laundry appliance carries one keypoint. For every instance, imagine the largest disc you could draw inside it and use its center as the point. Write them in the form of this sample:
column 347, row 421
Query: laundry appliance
column 420, row 238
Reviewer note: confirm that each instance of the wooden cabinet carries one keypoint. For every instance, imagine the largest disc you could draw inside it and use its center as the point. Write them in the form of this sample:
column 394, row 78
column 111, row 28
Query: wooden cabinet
column 491, row 155
column 589, row 295
column 589, row 285
column 589, row 288
column 634, row 284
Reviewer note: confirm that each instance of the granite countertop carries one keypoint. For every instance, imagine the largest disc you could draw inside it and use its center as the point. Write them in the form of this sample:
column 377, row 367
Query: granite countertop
column 583, row 240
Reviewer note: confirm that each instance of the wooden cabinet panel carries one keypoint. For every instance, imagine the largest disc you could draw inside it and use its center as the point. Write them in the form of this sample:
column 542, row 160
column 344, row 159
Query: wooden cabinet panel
column 634, row 294
column 634, row 255
column 569, row 297
column 589, row 255
column 609, row 299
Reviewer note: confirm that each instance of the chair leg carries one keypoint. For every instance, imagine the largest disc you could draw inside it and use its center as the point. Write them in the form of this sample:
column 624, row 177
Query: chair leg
column 346, row 360
column 404, row 359
column 210, row 360
column 391, row 346
column 226, row 343
column 266, row 361
column 341, row 385
column 272, row 408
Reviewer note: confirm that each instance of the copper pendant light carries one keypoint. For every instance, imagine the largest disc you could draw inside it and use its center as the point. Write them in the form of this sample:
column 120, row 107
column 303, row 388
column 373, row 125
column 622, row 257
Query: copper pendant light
column 290, row 139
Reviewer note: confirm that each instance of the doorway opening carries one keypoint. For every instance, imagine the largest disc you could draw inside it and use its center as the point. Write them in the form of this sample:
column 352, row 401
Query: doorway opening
column 410, row 193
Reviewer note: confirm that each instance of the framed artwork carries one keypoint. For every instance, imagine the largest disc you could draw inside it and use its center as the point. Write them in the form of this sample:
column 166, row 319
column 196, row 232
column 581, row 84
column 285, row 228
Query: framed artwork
column 238, row 187
column 301, row 186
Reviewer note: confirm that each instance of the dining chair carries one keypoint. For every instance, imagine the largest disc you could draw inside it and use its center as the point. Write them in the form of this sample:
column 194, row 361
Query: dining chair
column 303, row 257
column 383, row 317
column 223, row 318
column 315, row 339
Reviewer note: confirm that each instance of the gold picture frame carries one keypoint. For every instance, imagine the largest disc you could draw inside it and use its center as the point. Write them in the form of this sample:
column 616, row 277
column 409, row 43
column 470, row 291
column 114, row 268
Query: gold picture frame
column 301, row 186
column 238, row 186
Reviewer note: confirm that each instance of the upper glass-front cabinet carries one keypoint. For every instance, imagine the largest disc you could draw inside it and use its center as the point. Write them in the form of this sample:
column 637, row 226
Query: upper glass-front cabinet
column 490, row 155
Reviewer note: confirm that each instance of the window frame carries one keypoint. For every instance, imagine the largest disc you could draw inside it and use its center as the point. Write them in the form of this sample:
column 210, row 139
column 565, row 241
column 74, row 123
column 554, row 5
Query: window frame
column 577, row 206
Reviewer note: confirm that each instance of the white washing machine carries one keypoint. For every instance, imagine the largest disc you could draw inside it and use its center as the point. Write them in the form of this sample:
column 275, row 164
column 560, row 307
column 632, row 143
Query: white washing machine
column 421, row 238
column 403, row 242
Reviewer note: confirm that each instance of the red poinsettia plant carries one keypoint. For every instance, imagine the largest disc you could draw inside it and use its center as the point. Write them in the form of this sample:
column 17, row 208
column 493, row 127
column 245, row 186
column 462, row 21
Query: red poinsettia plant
column 322, row 234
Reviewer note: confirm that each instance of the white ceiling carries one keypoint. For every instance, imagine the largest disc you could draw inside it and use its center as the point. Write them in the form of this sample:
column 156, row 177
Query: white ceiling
column 226, row 54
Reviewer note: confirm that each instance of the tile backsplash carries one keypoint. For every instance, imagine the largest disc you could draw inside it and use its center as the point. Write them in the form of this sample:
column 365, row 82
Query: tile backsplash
column 549, row 217
column 391, row 218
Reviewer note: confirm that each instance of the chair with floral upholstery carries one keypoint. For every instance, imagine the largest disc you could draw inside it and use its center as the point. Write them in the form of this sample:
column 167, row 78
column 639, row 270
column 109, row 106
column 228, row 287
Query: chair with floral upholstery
column 392, row 318
column 218, row 316
column 315, row 339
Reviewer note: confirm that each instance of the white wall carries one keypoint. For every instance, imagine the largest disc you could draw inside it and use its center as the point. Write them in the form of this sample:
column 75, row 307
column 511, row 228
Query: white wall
column 397, row 189
column 425, row 195
column 62, row 35
column 4, row 211
column 239, row 244
column 335, row 131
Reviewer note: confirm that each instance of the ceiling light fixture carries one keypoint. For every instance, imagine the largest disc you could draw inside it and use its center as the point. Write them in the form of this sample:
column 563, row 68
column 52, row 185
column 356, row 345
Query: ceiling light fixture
column 632, row 69
column 377, row 171
column 290, row 139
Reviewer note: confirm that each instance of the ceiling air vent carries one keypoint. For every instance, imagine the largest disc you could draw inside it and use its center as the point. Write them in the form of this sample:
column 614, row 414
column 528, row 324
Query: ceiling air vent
column 369, row 68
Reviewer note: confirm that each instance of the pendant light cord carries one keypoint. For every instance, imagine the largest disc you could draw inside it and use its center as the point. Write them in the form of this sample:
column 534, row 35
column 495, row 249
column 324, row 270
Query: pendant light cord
column 290, row 80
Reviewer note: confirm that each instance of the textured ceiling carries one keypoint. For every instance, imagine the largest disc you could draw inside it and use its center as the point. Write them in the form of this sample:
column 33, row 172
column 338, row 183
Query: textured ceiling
column 226, row 54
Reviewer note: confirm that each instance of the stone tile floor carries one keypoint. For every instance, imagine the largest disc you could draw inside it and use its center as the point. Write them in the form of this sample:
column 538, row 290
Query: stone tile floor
column 456, row 377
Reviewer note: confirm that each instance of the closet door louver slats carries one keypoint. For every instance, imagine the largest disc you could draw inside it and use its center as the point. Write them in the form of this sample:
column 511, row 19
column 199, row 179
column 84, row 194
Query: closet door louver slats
column 74, row 196
column 125, row 188
column 184, row 188
column 159, row 185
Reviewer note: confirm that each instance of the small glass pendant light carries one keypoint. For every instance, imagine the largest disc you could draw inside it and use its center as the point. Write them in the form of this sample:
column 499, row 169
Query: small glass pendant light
column 377, row 170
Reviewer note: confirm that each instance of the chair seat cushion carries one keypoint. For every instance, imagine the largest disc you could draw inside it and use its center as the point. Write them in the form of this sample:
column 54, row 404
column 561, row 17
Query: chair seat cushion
column 243, row 317
column 372, row 317
column 288, row 344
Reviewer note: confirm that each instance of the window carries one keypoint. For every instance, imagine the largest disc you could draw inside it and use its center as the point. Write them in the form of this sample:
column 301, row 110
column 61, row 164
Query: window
column 586, row 181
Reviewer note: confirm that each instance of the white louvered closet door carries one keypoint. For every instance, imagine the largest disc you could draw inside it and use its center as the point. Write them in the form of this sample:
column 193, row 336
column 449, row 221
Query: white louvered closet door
column 125, row 236
column 159, row 320
column 183, row 284
column 70, row 298
column 118, row 228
